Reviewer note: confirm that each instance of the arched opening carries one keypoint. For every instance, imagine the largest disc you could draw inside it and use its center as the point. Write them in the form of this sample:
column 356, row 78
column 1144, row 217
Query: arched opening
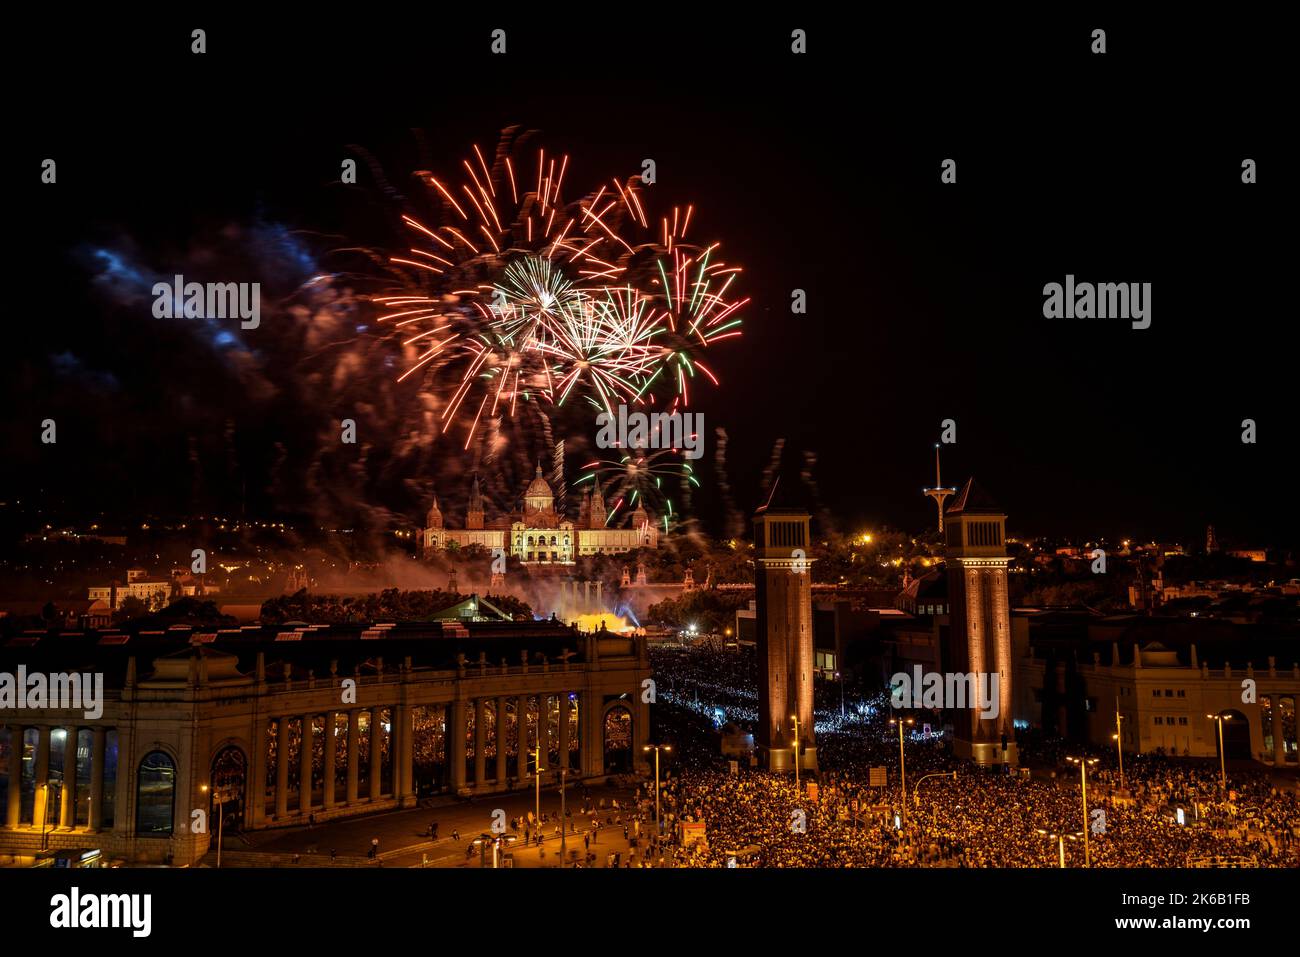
column 1236, row 736
column 429, row 760
column 155, row 794
column 229, row 775
column 618, row 740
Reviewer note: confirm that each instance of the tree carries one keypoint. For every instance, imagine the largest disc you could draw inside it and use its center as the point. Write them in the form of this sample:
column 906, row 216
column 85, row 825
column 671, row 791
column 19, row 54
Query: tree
column 705, row 609
column 130, row 608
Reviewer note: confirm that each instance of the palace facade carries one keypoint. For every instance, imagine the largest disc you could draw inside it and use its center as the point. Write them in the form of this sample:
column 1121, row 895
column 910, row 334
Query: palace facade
column 269, row 727
column 539, row 534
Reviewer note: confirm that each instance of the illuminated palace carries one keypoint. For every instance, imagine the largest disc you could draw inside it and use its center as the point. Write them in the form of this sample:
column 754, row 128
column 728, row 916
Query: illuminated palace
column 274, row 727
column 538, row 534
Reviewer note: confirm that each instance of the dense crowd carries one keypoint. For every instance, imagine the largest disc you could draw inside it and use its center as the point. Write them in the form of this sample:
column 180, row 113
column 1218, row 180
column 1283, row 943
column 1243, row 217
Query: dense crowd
column 982, row 818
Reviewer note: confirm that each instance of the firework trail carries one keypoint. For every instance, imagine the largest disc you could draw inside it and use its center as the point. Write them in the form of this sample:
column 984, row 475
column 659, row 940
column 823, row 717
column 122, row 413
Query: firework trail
column 773, row 464
column 557, row 477
column 733, row 521
column 521, row 298
column 637, row 479
column 824, row 518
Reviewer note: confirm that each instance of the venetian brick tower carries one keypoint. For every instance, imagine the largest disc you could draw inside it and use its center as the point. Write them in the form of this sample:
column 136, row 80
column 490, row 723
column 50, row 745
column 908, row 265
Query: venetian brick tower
column 783, row 582
column 979, row 636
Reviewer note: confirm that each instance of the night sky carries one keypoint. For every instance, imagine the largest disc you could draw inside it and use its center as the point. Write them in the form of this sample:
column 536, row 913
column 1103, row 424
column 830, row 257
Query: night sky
column 818, row 172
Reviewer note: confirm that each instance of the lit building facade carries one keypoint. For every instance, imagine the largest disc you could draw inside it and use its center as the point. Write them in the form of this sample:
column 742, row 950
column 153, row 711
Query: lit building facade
column 285, row 726
column 538, row 533
column 784, row 632
column 980, row 622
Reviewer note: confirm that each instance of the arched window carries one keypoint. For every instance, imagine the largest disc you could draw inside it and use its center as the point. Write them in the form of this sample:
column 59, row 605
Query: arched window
column 552, row 539
column 155, row 794
column 530, row 540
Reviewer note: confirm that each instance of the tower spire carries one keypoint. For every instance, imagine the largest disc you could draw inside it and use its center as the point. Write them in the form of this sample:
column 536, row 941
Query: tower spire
column 938, row 493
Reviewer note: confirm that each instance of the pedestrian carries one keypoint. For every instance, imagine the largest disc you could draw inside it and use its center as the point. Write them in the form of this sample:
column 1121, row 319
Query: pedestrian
column 455, row 834
column 334, row 854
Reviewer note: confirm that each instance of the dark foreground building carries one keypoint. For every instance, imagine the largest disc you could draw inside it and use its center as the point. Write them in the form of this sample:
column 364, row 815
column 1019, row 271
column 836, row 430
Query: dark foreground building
column 282, row 725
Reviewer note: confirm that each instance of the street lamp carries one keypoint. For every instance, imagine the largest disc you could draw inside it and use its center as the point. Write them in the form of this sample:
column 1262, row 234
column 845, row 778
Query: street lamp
column 1223, row 770
column 1060, row 841
column 916, row 794
column 1119, row 741
column 537, row 768
column 656, row 748
column 795, row 719
column 1083, row 771
column 45, row 813
column 840, row 678
column 564, row 807
column 219, row 797
column 916, row 791
column 902, row 758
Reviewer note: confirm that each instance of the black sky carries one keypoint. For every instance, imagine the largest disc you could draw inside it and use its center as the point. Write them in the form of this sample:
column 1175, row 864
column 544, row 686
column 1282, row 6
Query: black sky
column 818, row 172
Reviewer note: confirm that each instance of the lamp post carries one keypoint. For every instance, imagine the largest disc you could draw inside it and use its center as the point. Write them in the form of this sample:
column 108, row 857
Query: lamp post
column 1083, row 772
column 45, row 813
column 795, row 719
column 219, row 798
column 564, row 827
column 1119, row 741
column 537, row 768
column 902, row 758
column 1223, row 768
column 840, row 678
column 1060, row 841
column 916, row 790
column 656, row 748
column 916, row 794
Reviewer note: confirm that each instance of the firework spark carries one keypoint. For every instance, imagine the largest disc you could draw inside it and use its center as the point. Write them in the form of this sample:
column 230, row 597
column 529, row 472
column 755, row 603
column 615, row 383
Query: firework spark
column 637, row 479
column 520, row 295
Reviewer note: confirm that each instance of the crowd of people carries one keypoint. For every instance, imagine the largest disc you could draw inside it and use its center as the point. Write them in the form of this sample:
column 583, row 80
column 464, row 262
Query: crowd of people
column 1162, row 813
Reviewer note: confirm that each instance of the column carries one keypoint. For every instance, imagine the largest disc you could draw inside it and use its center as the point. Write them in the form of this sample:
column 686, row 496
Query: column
column 354, row 732
column 544, row 733
column 376, row 770
column 521, row 727
column 304, row 767
column 456, row 745
column 480, row 742
column 564, row 729
column 331, row 746
column 282, row 767
column 14, row 807
column 41, row 778
column 257, row 793
column 95, row 820
column 127, row 765
column 501, row 742
column 403, row 726
column 68, row 799
column 592, row 736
